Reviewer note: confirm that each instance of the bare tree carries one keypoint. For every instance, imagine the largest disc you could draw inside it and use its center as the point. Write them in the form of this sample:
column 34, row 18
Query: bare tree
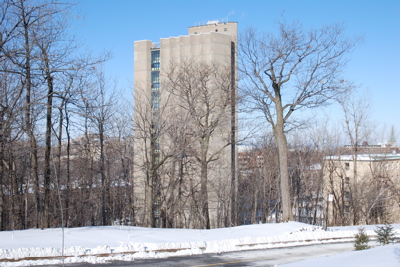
column 31, row 32
column 358, row 129
column 40, row 70
column 203, row 92
column 305, row 164
column 150, row 126
column 55, row 57
column 288, row 71
column 258, row 194
column 100, row 103
column 120, row 164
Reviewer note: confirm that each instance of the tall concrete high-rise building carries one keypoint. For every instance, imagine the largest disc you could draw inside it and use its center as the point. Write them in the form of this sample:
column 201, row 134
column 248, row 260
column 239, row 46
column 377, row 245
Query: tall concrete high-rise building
column 186, row 127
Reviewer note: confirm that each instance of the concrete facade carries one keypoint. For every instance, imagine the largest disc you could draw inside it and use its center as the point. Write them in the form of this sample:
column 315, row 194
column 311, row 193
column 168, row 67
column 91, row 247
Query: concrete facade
column 362, row 189
column 159, row 109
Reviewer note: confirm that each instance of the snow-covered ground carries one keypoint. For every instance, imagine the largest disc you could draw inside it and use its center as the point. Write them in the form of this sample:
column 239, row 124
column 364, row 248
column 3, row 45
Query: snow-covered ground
column 385, row 256
column 101, row 244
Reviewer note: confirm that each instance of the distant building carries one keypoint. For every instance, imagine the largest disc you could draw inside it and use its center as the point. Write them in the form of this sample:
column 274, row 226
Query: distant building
column 365, row 148
column 214, row 43
column 362, row 189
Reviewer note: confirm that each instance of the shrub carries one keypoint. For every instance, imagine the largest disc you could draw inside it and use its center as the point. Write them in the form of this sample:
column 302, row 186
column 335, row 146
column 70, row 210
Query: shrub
column 362, row 239
column 386, row 234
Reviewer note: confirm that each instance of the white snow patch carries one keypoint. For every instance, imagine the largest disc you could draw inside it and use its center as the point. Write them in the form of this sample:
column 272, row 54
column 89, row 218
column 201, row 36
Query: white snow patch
column 87, row 244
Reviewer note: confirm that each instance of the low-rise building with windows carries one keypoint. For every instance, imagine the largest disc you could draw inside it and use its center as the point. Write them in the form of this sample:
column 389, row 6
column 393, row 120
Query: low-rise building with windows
column 362, row 189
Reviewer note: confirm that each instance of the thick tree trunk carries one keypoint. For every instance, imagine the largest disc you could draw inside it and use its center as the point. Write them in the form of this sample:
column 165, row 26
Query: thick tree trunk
column 47, row 154
column 180, row 194
column 156, row 199
column 233, row 136
column 1, row 183
column 34, row 170
column 67, row 193
column 15, row 204
column 2, row 159
column 204, row 195
column 59, row 151
column 254, row 207
column 149, row 222
column 284, row 173
column 170, row 208
column 103, row 177
column 28, row 122
column 149, row 187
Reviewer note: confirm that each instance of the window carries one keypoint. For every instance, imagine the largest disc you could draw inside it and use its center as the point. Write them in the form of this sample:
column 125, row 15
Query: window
column 346, row 209
column 156, row 106
column 347, row 166
column 156, row 115
column 157, row 128
column 346, row 195
column 155, row 99
column 225, row 29
column 157, row 147
column 155, row 76
column 347, row 181
column 156, row 159
column 155, row 60
column 216, row 30
column 155, row 80
column 155, row 66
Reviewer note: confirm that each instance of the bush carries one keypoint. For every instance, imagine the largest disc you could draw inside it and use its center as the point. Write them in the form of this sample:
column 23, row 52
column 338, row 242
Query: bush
column 386, row 234
column 362, row 240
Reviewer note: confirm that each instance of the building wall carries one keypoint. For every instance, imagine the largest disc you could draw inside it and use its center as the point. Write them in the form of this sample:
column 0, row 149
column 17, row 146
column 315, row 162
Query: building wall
column 206, row 44
column 363, row 191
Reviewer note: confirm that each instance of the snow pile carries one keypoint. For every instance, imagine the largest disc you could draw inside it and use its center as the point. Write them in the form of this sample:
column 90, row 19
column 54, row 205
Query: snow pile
column 99, row 244
column 387, row 256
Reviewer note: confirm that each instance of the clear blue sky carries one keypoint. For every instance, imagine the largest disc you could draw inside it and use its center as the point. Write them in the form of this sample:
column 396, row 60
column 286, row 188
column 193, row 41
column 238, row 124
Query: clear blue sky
column 115, row 25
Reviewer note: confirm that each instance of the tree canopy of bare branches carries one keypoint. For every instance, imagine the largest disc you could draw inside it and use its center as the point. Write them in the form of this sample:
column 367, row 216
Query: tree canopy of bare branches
column 203, row 93
column 290, row 70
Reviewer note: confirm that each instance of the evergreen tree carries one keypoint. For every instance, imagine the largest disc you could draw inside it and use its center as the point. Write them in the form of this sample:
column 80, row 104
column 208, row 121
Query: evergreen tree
column 362, row 239
column 385, row 234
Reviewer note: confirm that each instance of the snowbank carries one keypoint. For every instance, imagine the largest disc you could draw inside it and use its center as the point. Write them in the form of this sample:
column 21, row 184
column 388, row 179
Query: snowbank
column 86, row 244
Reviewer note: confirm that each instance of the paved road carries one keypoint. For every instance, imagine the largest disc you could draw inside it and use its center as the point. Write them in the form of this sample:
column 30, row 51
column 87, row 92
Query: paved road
column 267, row 257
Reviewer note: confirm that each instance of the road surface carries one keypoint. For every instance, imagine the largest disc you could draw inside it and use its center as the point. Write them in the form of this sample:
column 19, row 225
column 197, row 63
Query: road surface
column 266, row 257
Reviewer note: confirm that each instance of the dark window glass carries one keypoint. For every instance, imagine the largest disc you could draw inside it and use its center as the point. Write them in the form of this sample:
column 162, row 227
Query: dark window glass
column 155, row 60
column 155, row 80
column 155, row 99
column 155, row 76
column 156, row 115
